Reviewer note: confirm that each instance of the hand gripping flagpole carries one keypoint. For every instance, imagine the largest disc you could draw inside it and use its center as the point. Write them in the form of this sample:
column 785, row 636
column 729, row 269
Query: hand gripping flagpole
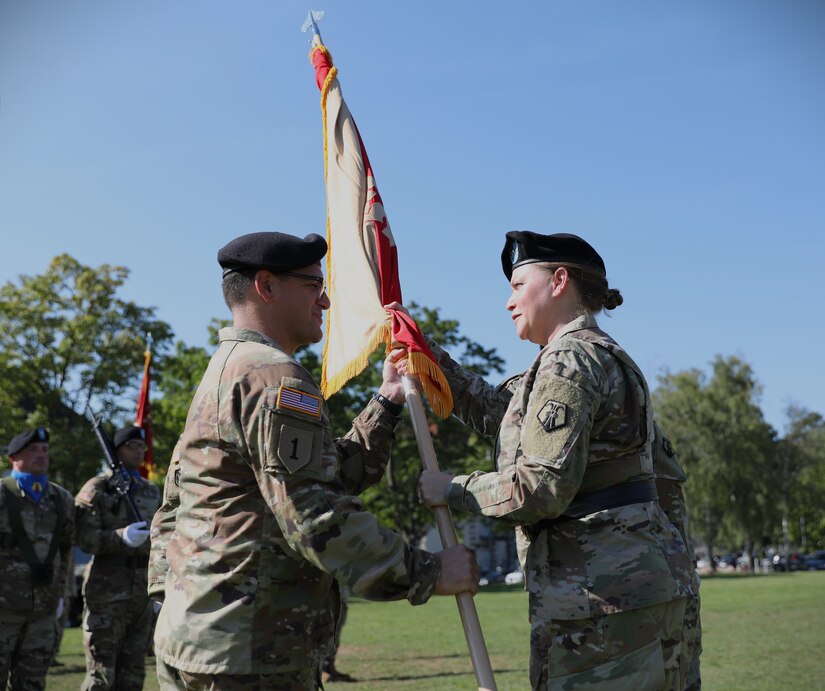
column 446, row 530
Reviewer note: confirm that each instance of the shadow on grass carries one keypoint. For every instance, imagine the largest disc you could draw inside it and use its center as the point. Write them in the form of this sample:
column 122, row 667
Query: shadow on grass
column 61, row 670
column 424, row 657
column 435, row 675
column 734, row 576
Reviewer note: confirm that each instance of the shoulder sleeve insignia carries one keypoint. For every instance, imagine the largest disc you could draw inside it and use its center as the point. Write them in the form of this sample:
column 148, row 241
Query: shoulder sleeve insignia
column 668, row 447
column 294, row 399
column 553, row 415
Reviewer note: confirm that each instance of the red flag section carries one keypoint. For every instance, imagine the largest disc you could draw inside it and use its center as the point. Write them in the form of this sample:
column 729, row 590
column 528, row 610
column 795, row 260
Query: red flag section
column 359, row 237
column 144, row 419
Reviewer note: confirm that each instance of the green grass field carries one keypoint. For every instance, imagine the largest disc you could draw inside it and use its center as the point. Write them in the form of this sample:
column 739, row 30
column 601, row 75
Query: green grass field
column 760, row 632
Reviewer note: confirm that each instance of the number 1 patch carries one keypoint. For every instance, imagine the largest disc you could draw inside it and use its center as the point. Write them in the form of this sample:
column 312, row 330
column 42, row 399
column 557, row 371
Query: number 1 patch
column 294, row 447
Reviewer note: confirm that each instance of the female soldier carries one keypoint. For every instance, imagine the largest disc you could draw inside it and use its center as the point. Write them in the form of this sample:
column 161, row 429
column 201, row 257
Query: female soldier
column 608, row 575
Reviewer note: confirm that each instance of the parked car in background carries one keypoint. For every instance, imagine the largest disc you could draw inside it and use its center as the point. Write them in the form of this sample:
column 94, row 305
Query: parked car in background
column 815, row 561
column 728, row 561
column 514, row 577
column 790, row 562
column 495, row 576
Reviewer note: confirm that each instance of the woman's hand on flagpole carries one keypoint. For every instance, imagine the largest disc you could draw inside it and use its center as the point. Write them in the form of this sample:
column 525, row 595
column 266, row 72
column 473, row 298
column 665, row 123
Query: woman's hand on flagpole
column 434, row 487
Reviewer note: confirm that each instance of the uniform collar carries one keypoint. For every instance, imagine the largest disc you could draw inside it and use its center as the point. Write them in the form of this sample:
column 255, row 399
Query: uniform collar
column 230, row 333
column 585, row 321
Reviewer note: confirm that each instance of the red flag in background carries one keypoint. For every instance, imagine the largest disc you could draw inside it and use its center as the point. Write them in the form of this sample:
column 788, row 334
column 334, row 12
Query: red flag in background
column 144, row 418
column 362, row 262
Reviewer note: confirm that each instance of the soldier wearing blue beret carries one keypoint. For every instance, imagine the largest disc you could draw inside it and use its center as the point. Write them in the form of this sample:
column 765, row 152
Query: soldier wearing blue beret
column 36, row 527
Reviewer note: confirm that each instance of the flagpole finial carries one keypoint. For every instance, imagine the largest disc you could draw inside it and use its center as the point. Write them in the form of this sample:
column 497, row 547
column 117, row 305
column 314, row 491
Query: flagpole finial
column 313, row 16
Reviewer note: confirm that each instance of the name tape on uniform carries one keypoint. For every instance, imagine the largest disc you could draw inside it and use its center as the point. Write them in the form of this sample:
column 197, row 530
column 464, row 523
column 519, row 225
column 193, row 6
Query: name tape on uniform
column 293, row 399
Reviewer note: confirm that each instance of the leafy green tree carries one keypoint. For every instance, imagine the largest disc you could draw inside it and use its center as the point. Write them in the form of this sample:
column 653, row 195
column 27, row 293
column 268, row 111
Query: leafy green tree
column 395, row 499
column 801, row 479
column 68, row 339
column 177, row 377
column 726, row 447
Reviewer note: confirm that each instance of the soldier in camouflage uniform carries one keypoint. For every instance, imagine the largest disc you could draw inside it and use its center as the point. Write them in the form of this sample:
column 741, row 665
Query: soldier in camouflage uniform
column 36, row 526
column 264, row 518
column 609, row 576
column 117, row 611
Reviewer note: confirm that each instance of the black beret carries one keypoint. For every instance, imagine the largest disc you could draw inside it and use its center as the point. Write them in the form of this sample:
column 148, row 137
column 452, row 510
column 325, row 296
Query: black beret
column 33, row 436
column 276, row 252
column 127, row 434
column 526, row 247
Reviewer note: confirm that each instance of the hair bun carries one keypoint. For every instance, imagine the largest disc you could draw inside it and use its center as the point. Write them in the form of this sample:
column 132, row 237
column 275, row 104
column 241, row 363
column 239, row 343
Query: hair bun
column 612, row 299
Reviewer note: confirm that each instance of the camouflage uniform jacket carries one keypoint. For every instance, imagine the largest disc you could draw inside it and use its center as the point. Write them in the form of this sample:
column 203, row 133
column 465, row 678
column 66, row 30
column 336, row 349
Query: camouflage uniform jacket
column 40, row 522
column 266, row 520
column 579, row 419
column 117, row 571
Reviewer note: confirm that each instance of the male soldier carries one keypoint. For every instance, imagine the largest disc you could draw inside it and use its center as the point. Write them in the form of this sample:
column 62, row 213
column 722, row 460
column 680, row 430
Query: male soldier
column 117, row 612
column 669, row 479
column 265, row 520
column 36, row 525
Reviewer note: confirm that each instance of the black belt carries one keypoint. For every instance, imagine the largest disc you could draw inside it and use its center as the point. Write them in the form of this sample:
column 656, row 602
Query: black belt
column 585, row 503
column 128, row 562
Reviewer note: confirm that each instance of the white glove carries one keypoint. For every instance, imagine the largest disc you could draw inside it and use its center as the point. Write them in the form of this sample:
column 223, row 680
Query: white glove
column 59, row 612
column 135, row 534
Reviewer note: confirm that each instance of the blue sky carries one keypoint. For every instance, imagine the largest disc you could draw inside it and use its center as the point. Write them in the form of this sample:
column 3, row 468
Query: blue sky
column 685, row 141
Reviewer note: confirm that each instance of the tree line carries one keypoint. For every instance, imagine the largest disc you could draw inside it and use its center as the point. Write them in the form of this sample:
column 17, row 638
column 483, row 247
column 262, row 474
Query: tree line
column 67, row 338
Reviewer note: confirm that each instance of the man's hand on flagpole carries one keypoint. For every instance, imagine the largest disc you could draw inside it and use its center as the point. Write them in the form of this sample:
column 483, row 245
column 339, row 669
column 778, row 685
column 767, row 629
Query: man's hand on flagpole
column 392, row 387
column 398, row 307
column 434, row 487
column 459, row 571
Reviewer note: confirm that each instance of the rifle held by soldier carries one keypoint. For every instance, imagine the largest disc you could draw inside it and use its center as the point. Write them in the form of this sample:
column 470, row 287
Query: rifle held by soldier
column 121, row 479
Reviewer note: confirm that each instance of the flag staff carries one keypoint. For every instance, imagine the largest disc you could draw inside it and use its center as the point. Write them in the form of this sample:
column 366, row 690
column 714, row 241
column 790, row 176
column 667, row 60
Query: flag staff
column 425, row 367
column 446, row 530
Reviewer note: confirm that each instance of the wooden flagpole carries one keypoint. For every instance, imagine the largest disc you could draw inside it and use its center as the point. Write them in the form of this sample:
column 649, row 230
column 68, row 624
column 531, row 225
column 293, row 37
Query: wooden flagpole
column 446, row 529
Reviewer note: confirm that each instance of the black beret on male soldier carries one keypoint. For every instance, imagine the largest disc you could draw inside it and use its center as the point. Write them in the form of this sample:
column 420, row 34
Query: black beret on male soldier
column 527, row 247
column 38, row 435
column 276, row 252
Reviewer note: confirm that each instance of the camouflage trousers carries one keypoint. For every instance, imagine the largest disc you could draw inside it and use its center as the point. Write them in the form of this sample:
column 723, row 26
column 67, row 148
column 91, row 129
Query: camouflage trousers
column 27, row 645
column 646, row 649
column 116, row 637
column 693, row 638
column 171, row 679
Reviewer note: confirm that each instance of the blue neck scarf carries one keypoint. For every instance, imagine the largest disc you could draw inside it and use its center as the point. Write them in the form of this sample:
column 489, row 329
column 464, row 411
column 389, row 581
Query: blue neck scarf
column 33, row 485
column 135, row 480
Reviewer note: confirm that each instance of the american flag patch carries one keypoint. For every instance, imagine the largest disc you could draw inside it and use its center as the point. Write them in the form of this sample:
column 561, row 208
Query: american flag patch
column 293, row 399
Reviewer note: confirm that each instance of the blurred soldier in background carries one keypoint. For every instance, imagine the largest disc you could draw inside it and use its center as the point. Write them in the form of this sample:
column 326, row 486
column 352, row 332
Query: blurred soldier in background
column 117, row 614
column 36, row 526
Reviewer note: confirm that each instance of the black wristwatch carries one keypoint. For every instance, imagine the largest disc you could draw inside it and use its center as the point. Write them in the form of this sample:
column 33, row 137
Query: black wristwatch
column 394, row 408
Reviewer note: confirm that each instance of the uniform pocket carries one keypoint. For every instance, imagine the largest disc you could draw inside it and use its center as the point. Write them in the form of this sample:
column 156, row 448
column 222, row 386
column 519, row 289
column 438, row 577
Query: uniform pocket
column 640, row 670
